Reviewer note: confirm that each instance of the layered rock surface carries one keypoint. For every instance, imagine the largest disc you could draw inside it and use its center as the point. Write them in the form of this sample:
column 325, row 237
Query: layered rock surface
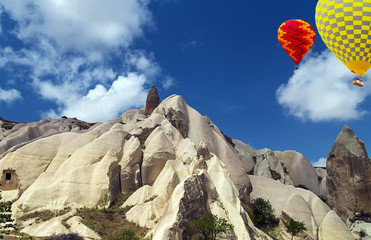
column 175, row 163
column 348, row 175
column 15, row 135
column 300, row 170
column 169, row 149
column 301, row 205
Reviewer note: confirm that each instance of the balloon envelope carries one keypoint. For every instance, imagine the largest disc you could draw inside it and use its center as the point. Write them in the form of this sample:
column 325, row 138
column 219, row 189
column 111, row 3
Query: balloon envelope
column 296, row 37
column 345, row 27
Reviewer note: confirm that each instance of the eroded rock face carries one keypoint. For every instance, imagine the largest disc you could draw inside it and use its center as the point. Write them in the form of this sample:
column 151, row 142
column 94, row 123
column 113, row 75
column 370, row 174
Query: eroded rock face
column 348, row 175
column 153, row 100
column 191, row 124
column 267, row 165
column 158, row 150
column 130, row 163
column 16, row 135
column 322, row 179
column 301, row 205
column 175, row 163
column 300, row 170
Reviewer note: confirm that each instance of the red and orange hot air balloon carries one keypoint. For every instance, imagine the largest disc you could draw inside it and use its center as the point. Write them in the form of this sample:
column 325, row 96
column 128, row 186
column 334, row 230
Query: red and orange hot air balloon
column 296, row 37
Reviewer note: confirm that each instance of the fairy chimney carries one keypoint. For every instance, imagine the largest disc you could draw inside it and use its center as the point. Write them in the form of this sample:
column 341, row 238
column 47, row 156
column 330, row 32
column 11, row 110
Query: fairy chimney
column 153, row 100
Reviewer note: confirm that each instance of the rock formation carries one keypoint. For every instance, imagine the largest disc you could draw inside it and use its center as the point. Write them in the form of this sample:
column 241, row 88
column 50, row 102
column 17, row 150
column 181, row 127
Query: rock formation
column 322, row 180
column 153, row 100
column 301, row 205
column 175, row 164
column 15, row 135
column 267, row 165
column 348, row 175
column 300, row 170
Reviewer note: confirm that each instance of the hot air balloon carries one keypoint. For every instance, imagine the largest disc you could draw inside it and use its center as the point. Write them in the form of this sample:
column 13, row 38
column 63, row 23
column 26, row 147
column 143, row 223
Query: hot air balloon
column 296, row 37
column 345, row 27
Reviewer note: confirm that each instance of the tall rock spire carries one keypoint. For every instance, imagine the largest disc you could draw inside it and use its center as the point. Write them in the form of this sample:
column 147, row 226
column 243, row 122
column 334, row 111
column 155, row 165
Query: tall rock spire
column 348, row 180
column 153, row 100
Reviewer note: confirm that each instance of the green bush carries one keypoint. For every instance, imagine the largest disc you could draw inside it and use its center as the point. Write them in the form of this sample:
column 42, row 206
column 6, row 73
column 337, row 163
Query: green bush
column 6, row 215
column 295, row 227
column 69, row 236
column 209, row 226
column 262, row 215
column 126, row 234
column 104, row 201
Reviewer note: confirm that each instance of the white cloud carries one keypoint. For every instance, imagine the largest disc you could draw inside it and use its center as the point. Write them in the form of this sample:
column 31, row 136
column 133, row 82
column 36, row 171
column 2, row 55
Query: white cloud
column 80, row 25
column 99, row 104
column 9, row 95
column 321, row 90
column 70, row 53
column 142, row 62
column 168, row 82
column 320, row 163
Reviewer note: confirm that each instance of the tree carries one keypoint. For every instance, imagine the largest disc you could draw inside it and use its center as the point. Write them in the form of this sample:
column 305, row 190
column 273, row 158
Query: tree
column 295, row 227
column 209, row 226
column 262, row 215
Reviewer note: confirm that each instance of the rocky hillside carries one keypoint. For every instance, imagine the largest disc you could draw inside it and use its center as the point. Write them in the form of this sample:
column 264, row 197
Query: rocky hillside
column 173, row 162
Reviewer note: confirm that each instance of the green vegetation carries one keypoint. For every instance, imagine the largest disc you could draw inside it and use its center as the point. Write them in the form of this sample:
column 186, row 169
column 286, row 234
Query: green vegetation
column 262, row 215
column 69, row 236
column 44, row 215
column 104, row 201
column 209, row 226
column 126, row 234
column 6, row 218
column 110, row 223
column 295, row 227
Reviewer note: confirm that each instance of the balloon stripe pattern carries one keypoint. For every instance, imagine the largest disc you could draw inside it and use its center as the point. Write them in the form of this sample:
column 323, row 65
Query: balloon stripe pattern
column 296, row 37
column 345, row 28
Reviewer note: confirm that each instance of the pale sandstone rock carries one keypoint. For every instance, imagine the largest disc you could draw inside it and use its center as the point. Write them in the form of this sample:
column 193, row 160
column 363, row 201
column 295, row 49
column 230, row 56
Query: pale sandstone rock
column 299, row 210
column 300, row 170
column 203, row 151
column 47, row 228
column 161, row 206
column 86, row 166
column 130, row 166
column 213, row 126
column 322, row 177
column 319, row 213
column 76, row 226
column 150, row 201
column 267, row 165
column 361, row 230
column 38, row 155
column 194, row 126
column 186, row 151
column 243, row 149
column 332, row 227
column 23, row 133
column 10, row 195
column 132, row 115
column 158, row 150
column 83, row 186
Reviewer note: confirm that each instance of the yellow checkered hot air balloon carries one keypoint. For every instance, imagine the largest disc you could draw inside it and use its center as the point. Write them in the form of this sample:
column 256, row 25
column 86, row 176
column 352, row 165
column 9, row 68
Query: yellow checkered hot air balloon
column 345, row 27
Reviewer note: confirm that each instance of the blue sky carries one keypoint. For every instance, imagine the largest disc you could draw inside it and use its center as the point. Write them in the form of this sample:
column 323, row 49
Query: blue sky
column 94, row 59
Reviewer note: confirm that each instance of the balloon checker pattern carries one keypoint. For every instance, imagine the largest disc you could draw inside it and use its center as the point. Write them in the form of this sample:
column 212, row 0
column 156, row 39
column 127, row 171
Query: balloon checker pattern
column 345, row 27
column 296, row 37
